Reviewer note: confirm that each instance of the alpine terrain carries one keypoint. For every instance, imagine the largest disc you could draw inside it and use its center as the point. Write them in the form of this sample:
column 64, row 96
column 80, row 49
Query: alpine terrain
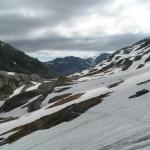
column 106, row 107
column 71, row 64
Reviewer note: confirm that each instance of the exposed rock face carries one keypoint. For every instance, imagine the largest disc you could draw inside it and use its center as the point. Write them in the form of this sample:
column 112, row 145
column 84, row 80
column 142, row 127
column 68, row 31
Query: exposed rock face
column 9, row 82
column 102, row 57
column 139, row 93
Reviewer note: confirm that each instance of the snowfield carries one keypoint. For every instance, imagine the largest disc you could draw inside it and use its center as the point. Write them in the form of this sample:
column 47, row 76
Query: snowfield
column 120, row 122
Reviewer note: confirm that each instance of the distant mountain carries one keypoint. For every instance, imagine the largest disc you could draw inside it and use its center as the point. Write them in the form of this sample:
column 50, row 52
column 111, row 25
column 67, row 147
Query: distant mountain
column 70, row 65
column 14, row 60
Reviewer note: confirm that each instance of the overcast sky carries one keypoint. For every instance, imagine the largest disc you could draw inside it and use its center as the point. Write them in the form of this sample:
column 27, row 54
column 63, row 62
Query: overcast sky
column 55, row 28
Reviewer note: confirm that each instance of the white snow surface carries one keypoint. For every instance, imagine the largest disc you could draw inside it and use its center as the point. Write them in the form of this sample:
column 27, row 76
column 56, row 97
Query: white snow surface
column 117, row 119
column 17, row 91
column 117, row 123
column 35, row 86
column 11, row 73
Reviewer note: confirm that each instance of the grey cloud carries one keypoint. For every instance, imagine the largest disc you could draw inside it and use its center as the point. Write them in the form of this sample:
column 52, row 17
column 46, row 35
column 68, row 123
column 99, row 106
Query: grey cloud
column 100, row 44
column 56, row 12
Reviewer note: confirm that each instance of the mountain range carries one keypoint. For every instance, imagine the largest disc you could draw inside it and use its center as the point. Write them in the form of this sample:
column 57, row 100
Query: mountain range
column 70, row 65
column 14, row 60
column 104, row 107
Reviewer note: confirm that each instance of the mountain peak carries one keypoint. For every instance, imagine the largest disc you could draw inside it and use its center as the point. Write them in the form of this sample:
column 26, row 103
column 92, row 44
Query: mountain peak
column 14, row 60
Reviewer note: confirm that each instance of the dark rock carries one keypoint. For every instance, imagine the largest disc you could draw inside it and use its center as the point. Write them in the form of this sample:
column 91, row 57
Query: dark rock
column 144, row 82
column 147, row 60
column 126, row 64
column 138, row 57
column 102, row 57
column 140, row 66
column 115, row 84
column 139, row 93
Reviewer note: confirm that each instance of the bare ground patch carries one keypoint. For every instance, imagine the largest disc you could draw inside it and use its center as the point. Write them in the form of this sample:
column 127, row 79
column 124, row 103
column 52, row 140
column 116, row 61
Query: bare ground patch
column 67, row 114
column 66, row 100
column 59, row 97
column 143, row 82
column 139, row 93
column 115, row 84
column 62, row 89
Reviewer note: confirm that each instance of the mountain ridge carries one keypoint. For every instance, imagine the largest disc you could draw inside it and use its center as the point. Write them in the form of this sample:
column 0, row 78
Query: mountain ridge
column 14, row 60
column 69, row 65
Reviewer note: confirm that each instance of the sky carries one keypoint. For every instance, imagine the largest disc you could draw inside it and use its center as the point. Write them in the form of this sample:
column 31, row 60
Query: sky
column 47, row 29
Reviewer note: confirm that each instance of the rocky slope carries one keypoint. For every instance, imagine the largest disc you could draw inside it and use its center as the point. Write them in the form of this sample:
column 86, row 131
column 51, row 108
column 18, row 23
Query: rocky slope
column 101, row 57
column 102, row 108
column 132, row 57
column 9, row 81
column 14, row 60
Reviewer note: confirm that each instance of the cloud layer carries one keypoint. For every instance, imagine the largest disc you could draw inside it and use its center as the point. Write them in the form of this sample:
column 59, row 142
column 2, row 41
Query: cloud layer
column 88, row 27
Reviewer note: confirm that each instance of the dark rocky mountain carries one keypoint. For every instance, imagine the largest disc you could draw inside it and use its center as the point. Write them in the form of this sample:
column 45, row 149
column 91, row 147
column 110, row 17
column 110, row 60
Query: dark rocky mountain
column 14, row 60
column 102, row 57
column 70, row 65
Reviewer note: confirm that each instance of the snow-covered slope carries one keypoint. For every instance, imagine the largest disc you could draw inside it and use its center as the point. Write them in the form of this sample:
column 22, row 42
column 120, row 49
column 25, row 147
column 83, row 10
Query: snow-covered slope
column 103, row 108
column 129, row 58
